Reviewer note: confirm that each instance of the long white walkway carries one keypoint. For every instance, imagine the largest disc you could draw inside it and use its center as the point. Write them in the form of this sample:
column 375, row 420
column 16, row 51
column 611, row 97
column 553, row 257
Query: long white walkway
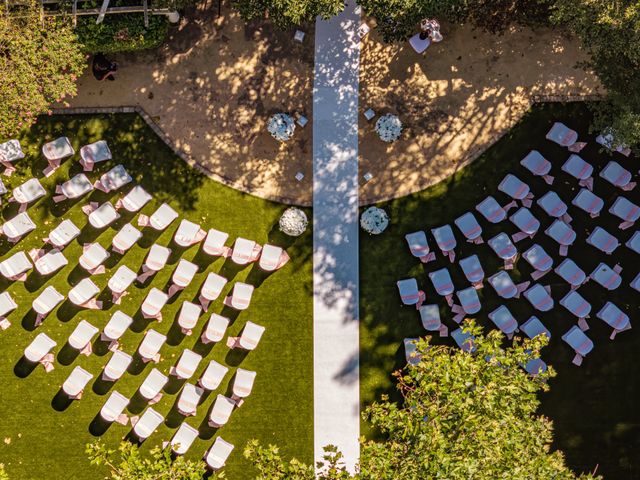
column 335, row 235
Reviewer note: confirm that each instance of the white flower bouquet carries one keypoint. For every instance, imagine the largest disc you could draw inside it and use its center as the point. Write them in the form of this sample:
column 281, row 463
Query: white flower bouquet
column 281, row 126
column 374, row 220
column 293, row 222
column 389, row 128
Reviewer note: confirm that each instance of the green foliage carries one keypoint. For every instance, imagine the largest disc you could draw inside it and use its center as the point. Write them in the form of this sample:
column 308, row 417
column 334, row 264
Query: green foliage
column 462, row 416
column 122, row 33
column 39, row 64
column 3, row 474
column 610, row 30
column 286, row 13
column 126, row 463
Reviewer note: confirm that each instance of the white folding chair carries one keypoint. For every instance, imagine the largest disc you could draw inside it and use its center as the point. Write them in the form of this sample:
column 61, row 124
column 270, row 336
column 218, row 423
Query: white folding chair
column 443, row 284
column 473, row 271
column 491, row 210
column 579, row 342
column 502, row 245
column 589, row 202
column 419, row 247
column 578, row 306
column 504, row 320
column 470, row 228
column 626, row 211
column 119, row 282
column 603, row 240
column 580, row 170
column 539, row 297
column 149, row 349
column 63, row 234
column 539, row 259
column 516, row 189
column 537, row 165
column 84, row 293
column 618, row 176
column 445, row 240
column 563, row 234
column 76, row 382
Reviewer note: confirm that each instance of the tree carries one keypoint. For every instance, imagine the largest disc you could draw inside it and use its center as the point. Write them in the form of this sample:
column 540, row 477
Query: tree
column 610, row 31
column 40, row 60
column 3, row 474
column 127, row 463
column 286, row 13
column 462, row 416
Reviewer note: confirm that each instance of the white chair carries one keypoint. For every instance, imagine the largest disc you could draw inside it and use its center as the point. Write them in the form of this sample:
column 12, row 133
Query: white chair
column 211, row 289
column 44, row 303
column 618, row 176
column 464, row 340
column 431, row 321
column 187, row 364
column 502, row 245
column 443, row 284
column 63, row 234
column 39, row 351
column 76, row 382
column 446, row 240
column 189, row 399
column 242, row 385
column 115, row 328
column 608, row 141
column 240, row 297
column 504, row 285
column 615, row 318
column 18, row 227
column 580, row 170
column 188, row 234
column 589, row 202
column 147, row 423
column 626, row 211
column 92, row 258
column 153, row 303
column 134, row 200
column 571, row 273
column 182, row 276
column 81, row 337
column 539, row 259
column 578, row 306
column 217, row 455
column 94, row 153
column 504, row 320
column 183, row 439
column 151, row 388
column 215, row 329
column 50, row 262
column 524, row 220
column 634, row 242
column 516, row 189
column 154, row 262
column 537, row 165
column 149, row 349
column 565, row 137
column 534, row 327
column 84, row 293
column 469, row 303
column 563, row 234
column 116, row 366
column 103, row 216
column 160, row 219
column 539, row 297
column 491, row 210
column 245, row 251
column 28, row 192
column 212, row 376
column 579, row 342
column 214, row 243
column 635, row 283
column 113, row 408
column 411, row 353
column 120, row 281
column 188, row 317
column 75, row 187
column 470, row 228
column 55, row 151
column 603, row 240
column 7, row 305
column 409, row 292
column 473, row 271
column 10, row 151
column 272, row 258
column 553, row 206
column 606, row 276
column 221, row 411
column 126, row 238
column 16, row 267
column 114, row 179
column 419, row 247
column 249, row 339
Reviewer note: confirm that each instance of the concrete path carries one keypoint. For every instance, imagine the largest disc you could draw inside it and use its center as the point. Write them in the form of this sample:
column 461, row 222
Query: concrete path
column 335, row 235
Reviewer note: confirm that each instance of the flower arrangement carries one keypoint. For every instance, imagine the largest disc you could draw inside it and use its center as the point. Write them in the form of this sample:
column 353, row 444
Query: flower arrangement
column 281, row 126
column 389, row 128
column 374, row 220
column 293, row 222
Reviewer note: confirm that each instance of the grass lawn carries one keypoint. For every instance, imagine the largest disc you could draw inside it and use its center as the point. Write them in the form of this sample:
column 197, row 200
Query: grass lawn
column 44, row 441
column 594, row 408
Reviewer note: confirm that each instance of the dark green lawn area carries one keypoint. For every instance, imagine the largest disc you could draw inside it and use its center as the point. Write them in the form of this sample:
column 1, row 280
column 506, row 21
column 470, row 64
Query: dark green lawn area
column 41, row 442
column 595, row 407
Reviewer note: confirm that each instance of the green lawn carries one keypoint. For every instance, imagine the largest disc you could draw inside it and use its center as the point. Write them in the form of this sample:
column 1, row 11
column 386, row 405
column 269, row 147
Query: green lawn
column 595, row 407
column 41, row 442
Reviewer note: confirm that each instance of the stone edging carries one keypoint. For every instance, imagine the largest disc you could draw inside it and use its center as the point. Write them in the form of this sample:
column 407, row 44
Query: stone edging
column 181, row 153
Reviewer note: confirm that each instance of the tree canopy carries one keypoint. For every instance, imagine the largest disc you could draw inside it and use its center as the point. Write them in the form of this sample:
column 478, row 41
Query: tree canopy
column 285, row 13
column 40, row 60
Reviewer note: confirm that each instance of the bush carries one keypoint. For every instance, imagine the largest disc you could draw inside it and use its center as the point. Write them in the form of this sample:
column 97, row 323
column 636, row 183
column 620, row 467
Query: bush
column 121, row 33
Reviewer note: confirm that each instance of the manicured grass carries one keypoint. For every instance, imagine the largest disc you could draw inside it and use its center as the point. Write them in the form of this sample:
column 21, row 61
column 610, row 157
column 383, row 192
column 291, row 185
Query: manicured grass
column 594, row 407
column 41, row 442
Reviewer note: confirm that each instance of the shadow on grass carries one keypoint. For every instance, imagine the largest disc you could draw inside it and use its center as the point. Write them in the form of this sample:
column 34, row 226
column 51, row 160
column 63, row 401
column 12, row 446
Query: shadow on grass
column 23, row 368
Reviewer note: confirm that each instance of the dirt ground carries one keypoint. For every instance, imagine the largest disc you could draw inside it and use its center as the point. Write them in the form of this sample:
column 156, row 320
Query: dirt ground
column 212, row 87
column 455, row 99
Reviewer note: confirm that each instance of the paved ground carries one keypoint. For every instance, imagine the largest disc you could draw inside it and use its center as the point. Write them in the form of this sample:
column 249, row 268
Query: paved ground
column 335, row 236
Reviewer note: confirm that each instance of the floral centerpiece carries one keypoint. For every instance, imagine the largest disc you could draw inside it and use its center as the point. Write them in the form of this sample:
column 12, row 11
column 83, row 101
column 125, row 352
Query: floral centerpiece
column 374, row 220
column 389, row 128
column 281, row 126
column 293, row 222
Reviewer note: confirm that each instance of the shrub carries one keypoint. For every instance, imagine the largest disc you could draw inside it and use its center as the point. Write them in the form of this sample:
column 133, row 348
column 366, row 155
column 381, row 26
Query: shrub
column 121, row 33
